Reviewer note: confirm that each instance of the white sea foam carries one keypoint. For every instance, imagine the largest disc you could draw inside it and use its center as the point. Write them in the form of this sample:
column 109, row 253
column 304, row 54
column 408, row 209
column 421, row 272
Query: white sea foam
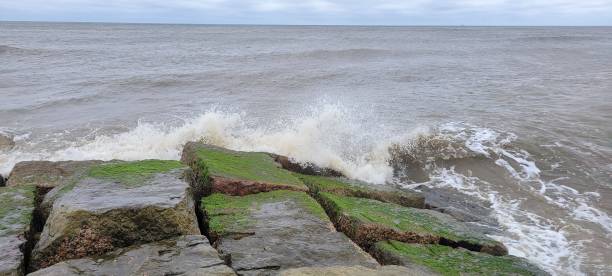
column 332, row 136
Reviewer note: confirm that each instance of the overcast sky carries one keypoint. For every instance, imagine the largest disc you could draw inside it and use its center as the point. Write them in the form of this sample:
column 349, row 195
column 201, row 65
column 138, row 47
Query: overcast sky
column 360, row 12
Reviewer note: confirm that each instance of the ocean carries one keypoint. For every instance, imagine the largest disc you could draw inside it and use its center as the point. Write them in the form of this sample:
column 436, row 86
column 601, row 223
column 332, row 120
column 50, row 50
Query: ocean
column 517, row 118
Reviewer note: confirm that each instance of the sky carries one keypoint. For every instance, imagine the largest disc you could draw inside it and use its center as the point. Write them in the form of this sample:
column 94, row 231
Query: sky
column 315, row 12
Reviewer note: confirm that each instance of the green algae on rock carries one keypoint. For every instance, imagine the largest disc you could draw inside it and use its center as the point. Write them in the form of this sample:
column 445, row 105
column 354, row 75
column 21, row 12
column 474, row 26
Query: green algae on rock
column 101, row 212
column 449, row 261
column 236, row 173
column 183, row 255
column 269, row 231
column 368, row 221
column 346, row 187
column 17, row 206
column 387, row 270
column 47, row 174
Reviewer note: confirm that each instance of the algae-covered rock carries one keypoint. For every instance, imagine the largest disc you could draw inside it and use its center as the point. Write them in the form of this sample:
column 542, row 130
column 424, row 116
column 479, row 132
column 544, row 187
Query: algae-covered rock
column 47, row 174
column 346, row 187
column 450, row 261
column 307, row 168
column 388, row 270
column 116, row 204
column 368, row 221
column 265, row 232
column 236, row 173
column 184, row 255
column 16, row 210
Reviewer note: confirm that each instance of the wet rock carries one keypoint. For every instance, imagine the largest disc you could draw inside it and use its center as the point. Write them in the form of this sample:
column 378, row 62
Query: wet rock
column 184, row 255
column 114, row 205
column 450, row 261
column 304, row 168
column 465, row 208
column 368, row 221
column 346, row 187
column 16, row 210
column 266, row 232
column 46, row 174
column 6, row 142
column 388, row 270
column 236, row 173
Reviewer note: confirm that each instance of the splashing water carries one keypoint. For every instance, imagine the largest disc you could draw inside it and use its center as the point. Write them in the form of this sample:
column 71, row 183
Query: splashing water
column 333, row 136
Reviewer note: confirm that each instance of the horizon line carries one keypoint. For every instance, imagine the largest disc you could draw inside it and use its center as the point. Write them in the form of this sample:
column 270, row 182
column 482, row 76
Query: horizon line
column 285, row 25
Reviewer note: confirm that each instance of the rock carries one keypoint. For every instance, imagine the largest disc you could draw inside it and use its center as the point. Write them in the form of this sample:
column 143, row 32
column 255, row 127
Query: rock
column 449, row 261
column 388, row 270
column 6, row 142
column 184, row 255
column 346, row 187
column 236, row 173
column 265, row 232
column 113, row 205
column 368, row 221
column 304, row 168
column 46, row 174
column 16, row 211
column 2, row 181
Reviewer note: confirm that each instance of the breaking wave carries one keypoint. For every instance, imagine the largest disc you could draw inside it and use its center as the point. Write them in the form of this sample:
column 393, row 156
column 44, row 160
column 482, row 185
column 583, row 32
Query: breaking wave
column 454, row 155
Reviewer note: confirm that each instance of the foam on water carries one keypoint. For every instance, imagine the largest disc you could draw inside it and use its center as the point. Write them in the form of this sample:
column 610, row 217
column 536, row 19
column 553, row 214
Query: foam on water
column 333, row 136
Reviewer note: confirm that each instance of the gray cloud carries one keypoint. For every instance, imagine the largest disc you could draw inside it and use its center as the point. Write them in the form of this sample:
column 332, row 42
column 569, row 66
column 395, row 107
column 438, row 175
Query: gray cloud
column 314, row 11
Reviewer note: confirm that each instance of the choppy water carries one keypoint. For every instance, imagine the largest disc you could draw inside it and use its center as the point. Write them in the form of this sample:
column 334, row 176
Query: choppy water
column 518, row 117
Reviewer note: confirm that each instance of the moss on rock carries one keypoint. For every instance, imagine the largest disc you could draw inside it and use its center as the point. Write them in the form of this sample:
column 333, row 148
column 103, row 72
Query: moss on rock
column 230, row 215
column 449, row 261
column 368, row 221
column 346, row 187
column 134, row 172
column 236, row 173
column 16, row 208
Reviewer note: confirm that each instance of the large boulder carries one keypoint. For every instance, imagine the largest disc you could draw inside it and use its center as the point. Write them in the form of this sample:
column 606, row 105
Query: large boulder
column 236, row 173
column 265, row 232
column 47, row 174
column 183, row 255
column 16, row 210
column 348, row 187
column 388, row 270
column 113, row 205
column 450, row 261
column 368, row 221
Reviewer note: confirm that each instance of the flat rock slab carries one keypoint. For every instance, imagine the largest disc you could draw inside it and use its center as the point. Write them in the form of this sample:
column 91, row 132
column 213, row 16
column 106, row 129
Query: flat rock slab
column 116, row 204
column 388, row 270
column 184, row 255
column 220, row 170
column 265, row 232
column 450, row 261
column 347, row 187
column 368, row 221
column 16, row 210
column 47, row 174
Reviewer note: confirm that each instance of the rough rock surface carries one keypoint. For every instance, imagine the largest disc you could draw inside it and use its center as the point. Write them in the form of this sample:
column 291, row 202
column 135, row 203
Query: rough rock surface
column 304, row 168
column 449, row 261
column 368, row 221
column 184, row 255
column 6, row 142
column 236, row 173
column 116, row 204
column 265, row 232
column 16, row 210
column 47, row 174
column 346, row 187
column 388, row 270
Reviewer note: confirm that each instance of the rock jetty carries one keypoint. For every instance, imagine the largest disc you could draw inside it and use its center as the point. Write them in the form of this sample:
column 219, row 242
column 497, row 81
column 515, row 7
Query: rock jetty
column 224, row 212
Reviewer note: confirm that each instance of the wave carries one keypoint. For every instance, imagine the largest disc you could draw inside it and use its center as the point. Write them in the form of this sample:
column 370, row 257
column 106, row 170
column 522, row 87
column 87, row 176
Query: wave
column 479, row 162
